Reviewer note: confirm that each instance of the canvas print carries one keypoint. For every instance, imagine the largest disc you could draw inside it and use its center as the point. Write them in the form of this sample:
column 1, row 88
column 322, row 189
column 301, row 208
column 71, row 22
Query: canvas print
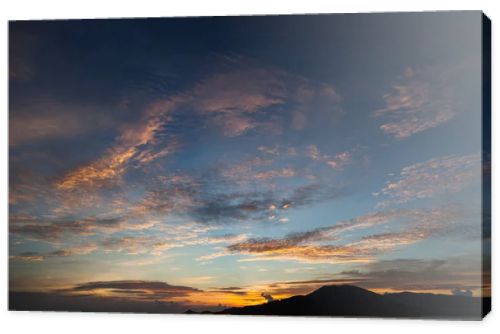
column 284, row 165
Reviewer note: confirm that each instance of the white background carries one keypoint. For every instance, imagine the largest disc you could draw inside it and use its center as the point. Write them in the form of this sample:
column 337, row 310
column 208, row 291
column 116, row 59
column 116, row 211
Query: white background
column 50, row 322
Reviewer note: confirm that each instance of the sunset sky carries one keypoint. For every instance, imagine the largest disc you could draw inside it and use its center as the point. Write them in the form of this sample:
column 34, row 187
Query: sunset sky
column 211, row 162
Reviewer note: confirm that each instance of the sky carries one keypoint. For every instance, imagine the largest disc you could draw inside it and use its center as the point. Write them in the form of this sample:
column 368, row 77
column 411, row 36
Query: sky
column 213, row 162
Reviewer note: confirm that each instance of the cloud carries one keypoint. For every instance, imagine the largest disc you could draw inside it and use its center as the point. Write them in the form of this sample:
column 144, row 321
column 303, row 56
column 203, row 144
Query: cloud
column 140, row 289
column 64, row 252
column 309, row 254
column 410, row 225
column 231, row 207
column 247, row 90
column 198, row 280
column 57, row 229
column 438, row 176
column 118, row 302
column 438, row 275
column 420, row 101
column 242, row 97
column 314, row 153
column 255, row 206
column 157, row 291
column 227, row 238
column 212, row 256
column 293, row 239
column 276, row 173
column 24, row 192
column 460, row 292
column 337, row 161
column 149, row 155
column 75, row 250
column 229, row 99
column 230, row 290
column 154, row 296
column 27, row 256
column 267, row 297
column 245, row 170
column 171, row 198
column 138, row 245
column 203, row 200
column 234, row 125
column 129, row 146
column 384, row 242
column 50, row 231
column 187, row 296
column 284, row 289
column 51, row 119
column 166, row 236
column 237, row 100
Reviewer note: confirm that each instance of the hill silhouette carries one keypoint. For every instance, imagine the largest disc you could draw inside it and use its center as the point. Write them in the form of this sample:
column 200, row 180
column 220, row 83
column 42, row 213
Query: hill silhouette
column 352, row 301
column 332, row 300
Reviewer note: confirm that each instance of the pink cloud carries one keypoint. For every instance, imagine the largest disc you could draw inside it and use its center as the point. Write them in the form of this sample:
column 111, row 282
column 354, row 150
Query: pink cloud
column 420, row 101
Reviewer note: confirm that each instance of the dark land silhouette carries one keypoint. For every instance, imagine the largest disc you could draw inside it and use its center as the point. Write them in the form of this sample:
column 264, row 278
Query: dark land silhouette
column 352, row 301
column 331, row 301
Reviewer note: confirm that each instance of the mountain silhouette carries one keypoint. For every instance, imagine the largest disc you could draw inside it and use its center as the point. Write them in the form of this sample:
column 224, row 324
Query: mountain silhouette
column 352, row 301
column 332, row 300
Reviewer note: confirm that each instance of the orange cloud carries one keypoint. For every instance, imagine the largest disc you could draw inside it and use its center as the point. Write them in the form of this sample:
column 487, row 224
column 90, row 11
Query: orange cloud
column 309, row 246
column 130, row 144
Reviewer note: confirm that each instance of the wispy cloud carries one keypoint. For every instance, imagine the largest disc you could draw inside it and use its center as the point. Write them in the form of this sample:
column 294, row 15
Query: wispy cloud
column 336, row 161
column 431, row 275
column 107, row 236
column 309, row 246
column 48, row 230
column 57, row 229
column 246, row 90
column 235, row 100
column 438, row 176
column 51, row 119
column 187, row 296
column 133, row 143
column 232, row 100
column 420, row 101
column 138, row 245
column 27, row 256
column 83, row 249
column 276, row 173
column 139, row 289
column 259, row 205
column 158, row 244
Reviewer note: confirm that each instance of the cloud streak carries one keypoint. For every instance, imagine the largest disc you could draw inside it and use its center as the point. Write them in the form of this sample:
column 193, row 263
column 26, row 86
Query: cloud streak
column 57, row 229
column 235, row 100
column 309, row 246
column 434, row 177
column 427, row 275
column 422, row 100
column 63, row 252
column 134, row 142
column 337, row 161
